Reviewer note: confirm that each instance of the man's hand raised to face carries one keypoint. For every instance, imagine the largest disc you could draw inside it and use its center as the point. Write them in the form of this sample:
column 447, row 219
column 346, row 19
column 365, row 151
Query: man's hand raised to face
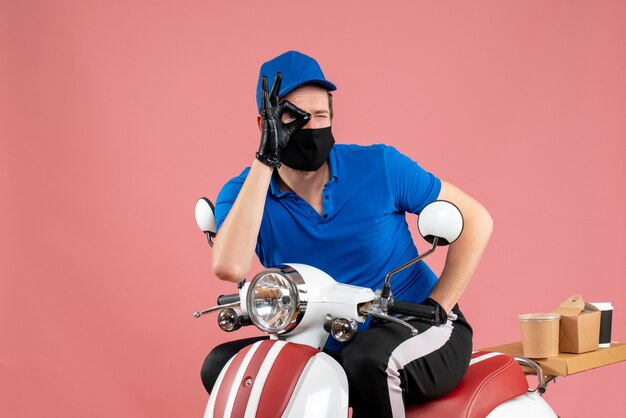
column 274, row 133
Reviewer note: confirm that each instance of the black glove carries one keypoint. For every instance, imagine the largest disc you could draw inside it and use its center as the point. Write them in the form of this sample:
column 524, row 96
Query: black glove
column 441, row 317
column 274, row 133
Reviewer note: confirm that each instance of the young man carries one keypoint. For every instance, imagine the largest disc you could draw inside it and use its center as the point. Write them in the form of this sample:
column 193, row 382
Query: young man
column 341, row 208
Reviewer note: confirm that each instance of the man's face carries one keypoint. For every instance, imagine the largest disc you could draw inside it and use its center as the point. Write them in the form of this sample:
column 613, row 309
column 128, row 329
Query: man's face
column 311, row 99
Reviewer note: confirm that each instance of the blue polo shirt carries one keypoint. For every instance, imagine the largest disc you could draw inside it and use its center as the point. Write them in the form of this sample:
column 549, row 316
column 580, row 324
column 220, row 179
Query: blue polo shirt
column 362, row 233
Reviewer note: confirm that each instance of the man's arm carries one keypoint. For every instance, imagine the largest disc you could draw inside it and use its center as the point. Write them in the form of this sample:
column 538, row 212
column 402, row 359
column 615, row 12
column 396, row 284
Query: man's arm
column 234, row 245
column 465, row 253
column 236, row 239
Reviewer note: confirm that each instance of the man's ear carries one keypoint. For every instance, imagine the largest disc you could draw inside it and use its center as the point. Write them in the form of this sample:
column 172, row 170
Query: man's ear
column 259, row 120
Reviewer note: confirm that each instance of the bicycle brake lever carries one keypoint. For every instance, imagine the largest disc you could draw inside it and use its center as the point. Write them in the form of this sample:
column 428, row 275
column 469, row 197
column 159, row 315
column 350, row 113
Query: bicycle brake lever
column 376, row 312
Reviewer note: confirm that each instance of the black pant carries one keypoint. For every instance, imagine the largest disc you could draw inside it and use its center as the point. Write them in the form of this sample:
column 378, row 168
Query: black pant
column 385, row 365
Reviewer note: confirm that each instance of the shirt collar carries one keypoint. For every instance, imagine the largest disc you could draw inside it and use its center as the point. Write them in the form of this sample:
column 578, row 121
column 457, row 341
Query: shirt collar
column 332, row 166
column 274, row 189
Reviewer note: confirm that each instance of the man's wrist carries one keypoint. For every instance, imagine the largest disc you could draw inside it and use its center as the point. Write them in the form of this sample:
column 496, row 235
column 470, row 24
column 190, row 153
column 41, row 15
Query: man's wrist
column 269, row 160
column 257, row 165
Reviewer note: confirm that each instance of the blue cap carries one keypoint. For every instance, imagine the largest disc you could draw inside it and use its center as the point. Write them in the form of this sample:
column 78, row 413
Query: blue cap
column 296, row 69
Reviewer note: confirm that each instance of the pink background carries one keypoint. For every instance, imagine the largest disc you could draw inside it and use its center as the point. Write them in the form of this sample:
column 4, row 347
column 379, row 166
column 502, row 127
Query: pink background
column 115, row 116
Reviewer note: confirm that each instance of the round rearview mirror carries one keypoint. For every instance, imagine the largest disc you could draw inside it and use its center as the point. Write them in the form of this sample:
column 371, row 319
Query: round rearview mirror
column 440, row 219
column 205, row 216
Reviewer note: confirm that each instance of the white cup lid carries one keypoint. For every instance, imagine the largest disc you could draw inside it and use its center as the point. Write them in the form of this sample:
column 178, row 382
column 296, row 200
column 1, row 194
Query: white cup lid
column 603, row 306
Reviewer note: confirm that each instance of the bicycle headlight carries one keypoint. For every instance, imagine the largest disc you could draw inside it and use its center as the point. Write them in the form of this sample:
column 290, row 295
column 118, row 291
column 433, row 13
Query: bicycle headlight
column 276, row 300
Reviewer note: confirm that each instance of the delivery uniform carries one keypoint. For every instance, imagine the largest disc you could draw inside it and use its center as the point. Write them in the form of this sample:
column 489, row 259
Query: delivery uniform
column 359, row 237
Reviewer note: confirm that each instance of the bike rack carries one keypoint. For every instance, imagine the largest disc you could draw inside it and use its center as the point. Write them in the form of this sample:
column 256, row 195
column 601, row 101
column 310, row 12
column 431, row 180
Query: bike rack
column 542, row 380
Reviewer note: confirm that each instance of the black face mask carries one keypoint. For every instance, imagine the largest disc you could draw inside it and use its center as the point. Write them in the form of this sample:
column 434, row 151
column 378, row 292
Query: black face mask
column 308, row 149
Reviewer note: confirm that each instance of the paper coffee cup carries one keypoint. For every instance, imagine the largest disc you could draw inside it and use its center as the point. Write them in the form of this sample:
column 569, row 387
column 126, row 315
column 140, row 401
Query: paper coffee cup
column 540, row 334
column 606, row 322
